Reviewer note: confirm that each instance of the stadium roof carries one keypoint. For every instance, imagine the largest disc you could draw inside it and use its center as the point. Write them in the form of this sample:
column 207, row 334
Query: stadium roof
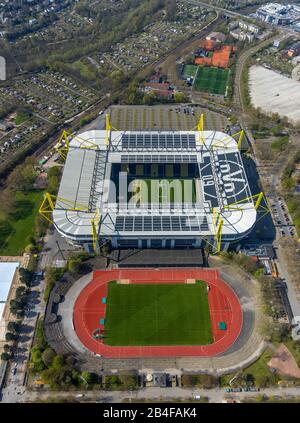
column 86, row 183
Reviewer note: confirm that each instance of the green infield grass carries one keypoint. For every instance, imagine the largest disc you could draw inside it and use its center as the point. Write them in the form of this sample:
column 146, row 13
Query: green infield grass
column 158, row 314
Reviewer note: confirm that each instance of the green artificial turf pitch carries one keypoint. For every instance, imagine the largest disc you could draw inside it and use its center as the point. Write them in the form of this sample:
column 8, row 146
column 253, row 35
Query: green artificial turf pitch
column 212, row 80
column 157, row 314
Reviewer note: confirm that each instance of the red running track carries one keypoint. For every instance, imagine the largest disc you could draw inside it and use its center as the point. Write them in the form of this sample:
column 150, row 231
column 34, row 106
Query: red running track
column 223, row 302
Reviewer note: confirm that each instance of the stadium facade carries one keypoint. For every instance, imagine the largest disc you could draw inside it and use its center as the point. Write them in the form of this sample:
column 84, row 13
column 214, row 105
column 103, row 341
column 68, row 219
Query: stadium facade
column 100, row 196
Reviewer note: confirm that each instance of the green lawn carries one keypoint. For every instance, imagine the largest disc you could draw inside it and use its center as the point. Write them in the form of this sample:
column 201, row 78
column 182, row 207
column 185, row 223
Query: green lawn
column 158, row 314
column 15, row 233
column 165, row 191
column 212, row 80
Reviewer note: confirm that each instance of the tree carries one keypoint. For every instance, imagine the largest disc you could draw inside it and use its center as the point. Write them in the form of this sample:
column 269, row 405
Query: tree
column 129, row 382
column 209, row 381
column 25, row 276
column 5, row 356
column 20, row 291
column 249, row 379
column 24, row 176
column 149, row 98
column 13, row 327
column 70, row 361
column 180, row 97
column 36, row 359
column 74, row 266
column 48, row 357
column 8, row 201
column 112, row 382
column 16, row 305
column 58, row 362
column 8, row 348
column 10, row 336
column 30, row 248
column 87, row 377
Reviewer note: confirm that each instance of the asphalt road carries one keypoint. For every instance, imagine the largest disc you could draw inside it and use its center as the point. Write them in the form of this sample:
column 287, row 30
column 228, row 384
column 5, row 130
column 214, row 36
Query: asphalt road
column 16, row 371
column 152, row 393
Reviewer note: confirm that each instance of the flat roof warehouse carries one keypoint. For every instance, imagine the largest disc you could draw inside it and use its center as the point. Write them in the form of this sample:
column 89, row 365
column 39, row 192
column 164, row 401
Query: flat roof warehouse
column 210, row 158
column 7, row 271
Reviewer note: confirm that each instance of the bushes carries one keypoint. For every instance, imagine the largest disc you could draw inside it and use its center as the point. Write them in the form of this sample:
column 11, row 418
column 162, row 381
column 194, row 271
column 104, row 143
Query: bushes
column 53, row 175
column 52, row 275
column 56, row 370
column 61, row 374
column 200, row 381
column 48, row 357
column 40, row 339
column 37, row 359
column 280, row 144
column 243, row 261
column 288, row 183
column 74, row 266
column 121, row 382
column 76, row 260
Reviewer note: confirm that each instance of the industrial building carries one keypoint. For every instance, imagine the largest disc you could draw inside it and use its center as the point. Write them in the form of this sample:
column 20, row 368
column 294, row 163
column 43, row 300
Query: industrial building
column 198, row 189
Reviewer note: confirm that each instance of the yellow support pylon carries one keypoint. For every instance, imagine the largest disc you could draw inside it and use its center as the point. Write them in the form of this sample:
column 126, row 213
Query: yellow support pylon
column 200, row 128
column 226, row 142
column 219, row 236
column 47, row 207
column 218, row 225
column 259, row 200
column 241, row 139
column 64, row 149
column 95, row 228
column 64, row 144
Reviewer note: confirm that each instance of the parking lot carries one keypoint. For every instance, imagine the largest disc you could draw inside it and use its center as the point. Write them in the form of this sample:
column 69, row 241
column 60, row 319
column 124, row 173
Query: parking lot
column 176, row 118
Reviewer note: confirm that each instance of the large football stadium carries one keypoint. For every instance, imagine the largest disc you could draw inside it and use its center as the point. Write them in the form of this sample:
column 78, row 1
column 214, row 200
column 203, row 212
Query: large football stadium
column 152, row 189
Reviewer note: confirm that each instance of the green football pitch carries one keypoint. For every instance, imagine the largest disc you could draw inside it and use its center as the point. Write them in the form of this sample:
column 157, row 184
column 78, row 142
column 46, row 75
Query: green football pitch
column 190, row 71
column 212, row 80
column 164, row 191
column 157, row 314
